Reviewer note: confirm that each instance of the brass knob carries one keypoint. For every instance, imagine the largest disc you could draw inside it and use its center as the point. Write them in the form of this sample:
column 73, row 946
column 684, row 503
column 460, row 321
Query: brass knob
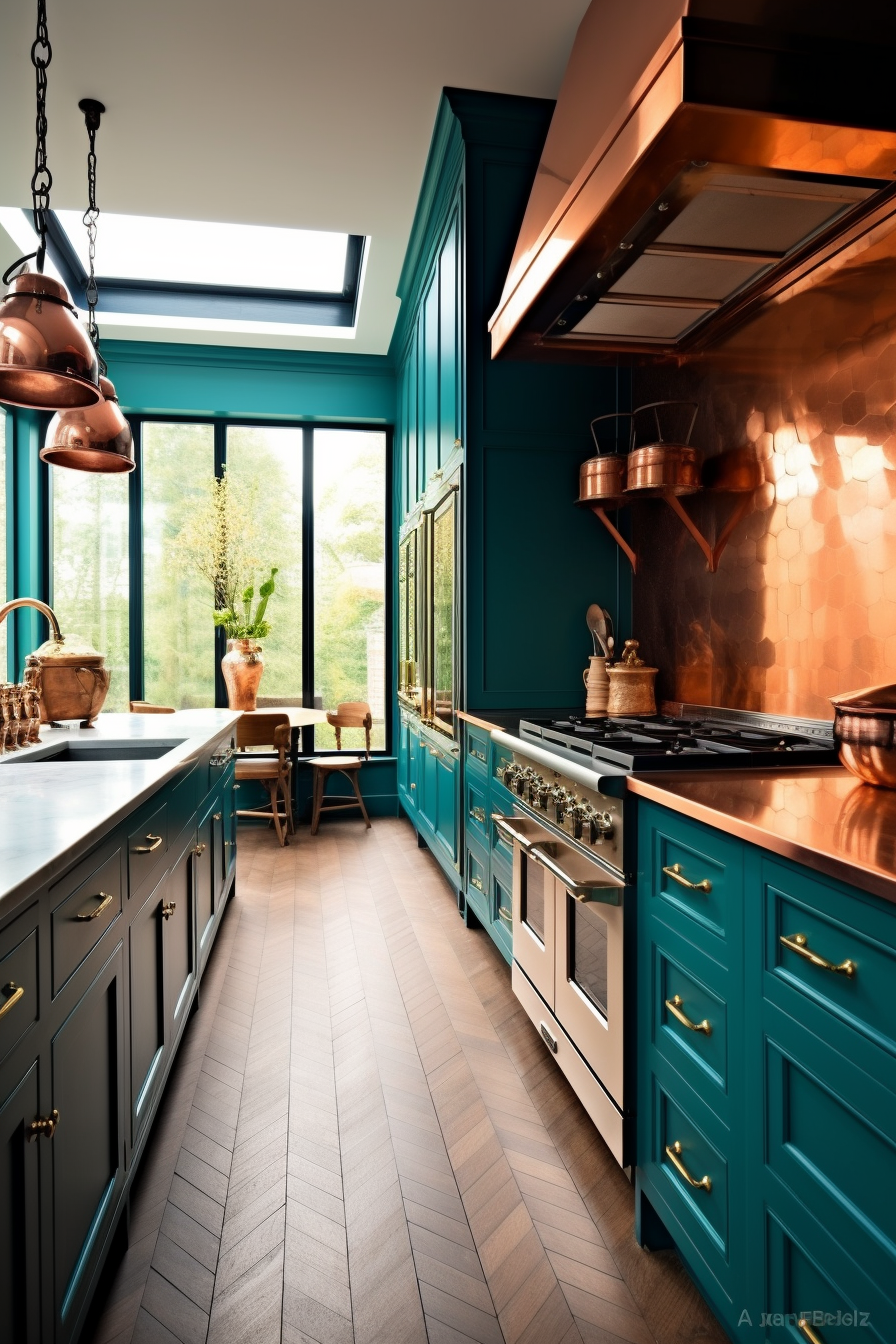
column 199, row 849
column 45, row 1124
column 168, row 909
column 216, row 816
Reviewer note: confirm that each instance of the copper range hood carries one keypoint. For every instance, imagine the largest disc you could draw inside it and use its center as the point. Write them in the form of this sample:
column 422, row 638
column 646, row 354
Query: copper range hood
column 702, row 155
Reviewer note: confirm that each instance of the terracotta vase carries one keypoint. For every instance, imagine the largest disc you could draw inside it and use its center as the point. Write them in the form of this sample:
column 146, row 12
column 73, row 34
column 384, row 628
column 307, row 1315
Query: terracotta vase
column 242, row 665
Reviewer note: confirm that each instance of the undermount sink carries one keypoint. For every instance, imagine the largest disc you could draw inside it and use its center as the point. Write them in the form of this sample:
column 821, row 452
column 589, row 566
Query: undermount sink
column 102, row 751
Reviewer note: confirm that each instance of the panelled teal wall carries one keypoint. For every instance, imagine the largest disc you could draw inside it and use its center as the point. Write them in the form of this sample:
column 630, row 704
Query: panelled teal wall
column 533, row 561
column 26, row 556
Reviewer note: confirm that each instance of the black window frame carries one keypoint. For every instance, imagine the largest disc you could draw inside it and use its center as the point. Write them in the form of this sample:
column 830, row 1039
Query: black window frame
column 228, row 302
column 135, row 551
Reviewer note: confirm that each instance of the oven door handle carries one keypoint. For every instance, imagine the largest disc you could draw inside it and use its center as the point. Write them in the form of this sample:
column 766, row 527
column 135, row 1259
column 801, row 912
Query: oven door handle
column 607, row 892
column 510, row 832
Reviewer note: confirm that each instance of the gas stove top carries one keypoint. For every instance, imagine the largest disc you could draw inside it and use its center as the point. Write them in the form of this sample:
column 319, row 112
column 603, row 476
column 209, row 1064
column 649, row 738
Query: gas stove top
column 712, row 740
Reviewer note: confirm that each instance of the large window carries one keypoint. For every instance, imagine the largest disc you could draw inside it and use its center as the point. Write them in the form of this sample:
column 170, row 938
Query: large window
column 4, row 421
column 312, row 503
column 91, row 567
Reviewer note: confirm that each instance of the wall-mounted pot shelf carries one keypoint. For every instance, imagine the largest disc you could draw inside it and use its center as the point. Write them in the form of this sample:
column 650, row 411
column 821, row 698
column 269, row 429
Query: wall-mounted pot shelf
column 733, row 473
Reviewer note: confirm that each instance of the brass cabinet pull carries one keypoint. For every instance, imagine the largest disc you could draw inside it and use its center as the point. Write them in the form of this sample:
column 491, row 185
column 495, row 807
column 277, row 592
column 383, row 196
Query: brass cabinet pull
column 216, row 816
column 45, row 1124
column 799, row 943
column 674, row 871
column 477, row 883
column 98, row 910
column 478, row 814
column 168, row 909
column 413, row 786
column 200, row 848
column 433, row 752
column 505, row 914
column 673, row 1152
column 477, row 755
column 805, row 1328
column 676, row 1008
column 13, row 993
column 148, row 849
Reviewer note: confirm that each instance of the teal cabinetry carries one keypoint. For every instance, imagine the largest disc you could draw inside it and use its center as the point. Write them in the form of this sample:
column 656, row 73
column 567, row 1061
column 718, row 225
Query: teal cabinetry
column 767, row 1084
column 107, row 957
column 488, row 871
column 428, row 787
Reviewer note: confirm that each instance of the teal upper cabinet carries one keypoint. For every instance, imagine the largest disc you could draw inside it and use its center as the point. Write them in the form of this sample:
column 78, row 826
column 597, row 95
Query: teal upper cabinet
column 519, row 430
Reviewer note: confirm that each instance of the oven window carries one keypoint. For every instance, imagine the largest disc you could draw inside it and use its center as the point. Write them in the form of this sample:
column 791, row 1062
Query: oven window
column 588, row 953
column 532, row 897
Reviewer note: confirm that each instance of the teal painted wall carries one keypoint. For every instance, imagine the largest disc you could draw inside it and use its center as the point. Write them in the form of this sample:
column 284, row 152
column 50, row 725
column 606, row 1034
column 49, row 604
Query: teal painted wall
column 153, row 377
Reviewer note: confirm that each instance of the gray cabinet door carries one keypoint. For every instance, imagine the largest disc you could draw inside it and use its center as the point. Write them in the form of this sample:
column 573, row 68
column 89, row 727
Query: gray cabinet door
column 205, row 876
column 87, row 1149
column 147, row 1005
column 178, row 937
column 19, row 1214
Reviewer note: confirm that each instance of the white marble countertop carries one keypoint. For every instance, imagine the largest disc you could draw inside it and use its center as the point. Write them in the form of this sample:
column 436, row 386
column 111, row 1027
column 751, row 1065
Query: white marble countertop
column 52, row 812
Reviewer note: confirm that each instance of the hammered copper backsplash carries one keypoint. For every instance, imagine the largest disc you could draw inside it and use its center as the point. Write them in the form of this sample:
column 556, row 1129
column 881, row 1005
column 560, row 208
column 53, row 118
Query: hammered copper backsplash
column 804, row 602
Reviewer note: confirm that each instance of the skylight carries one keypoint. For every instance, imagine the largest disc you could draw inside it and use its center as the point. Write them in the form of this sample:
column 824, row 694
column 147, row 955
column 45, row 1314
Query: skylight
column 190, row 252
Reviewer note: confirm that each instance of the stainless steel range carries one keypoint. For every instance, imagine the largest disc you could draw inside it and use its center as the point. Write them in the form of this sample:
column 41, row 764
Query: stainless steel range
column 573, row 871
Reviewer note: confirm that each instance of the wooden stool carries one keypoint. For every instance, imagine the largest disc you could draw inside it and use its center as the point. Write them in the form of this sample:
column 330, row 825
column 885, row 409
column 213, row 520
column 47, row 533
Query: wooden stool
column 324, row 766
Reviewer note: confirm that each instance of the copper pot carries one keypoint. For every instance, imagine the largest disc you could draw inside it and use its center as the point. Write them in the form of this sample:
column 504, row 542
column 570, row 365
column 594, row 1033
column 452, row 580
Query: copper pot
column 602, row 478
column 74, row 681
column 664, row 467
column 865, row 733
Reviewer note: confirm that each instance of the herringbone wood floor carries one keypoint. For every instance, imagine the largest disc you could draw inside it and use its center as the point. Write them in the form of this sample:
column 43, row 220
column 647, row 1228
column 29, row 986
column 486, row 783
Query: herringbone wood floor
column 364, row 1138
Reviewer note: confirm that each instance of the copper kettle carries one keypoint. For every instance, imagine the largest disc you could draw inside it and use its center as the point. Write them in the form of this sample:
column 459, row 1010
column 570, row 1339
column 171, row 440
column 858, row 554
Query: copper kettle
column 74, row 680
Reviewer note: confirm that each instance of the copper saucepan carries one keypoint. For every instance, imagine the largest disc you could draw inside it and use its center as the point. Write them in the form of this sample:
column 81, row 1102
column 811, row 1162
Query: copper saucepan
column 865, row 733
column 602, row 479
column 665, row 467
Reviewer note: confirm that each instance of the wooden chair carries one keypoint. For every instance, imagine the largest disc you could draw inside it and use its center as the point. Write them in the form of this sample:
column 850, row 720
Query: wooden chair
column 267, row 730
column 144, row 707
column 349, row 714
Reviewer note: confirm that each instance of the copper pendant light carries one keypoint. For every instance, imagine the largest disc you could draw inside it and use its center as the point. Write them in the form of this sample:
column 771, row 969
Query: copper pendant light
column 92, row 438
column 46, row 360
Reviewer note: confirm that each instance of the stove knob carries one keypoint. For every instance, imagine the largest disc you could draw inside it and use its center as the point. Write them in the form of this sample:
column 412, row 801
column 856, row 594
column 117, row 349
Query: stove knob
column 604, row 823
column 580, row 814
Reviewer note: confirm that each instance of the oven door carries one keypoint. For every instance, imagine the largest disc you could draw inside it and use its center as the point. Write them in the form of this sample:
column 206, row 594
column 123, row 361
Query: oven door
column 588, row 982
column 533, row 904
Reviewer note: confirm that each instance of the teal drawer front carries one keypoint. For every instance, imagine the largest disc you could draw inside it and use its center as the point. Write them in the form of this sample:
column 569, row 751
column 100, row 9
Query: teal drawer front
column 694, row 876
column 833, row 1143
column 502, row 798
column 478, row 743
column 501, row 848
column 502, row 907
column 683, row 1147
column 836, row 927
column 699, row 1050
column 19, row 984
column 477, row 875
column 809, row 1276
column 476, row 809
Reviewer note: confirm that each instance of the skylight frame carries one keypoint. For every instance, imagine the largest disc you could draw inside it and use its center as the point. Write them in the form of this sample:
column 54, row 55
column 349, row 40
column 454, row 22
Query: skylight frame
column 238, row 303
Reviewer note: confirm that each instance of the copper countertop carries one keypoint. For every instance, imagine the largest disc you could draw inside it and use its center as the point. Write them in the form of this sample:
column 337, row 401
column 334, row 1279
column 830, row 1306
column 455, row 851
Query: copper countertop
column 825, row 819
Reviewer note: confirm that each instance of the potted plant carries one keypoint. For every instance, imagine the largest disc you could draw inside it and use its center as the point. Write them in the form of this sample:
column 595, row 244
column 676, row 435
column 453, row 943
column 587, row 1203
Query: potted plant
column 221, row 541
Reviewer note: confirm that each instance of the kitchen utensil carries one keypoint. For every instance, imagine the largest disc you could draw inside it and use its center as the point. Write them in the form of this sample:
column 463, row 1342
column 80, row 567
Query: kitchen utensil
column 610, row 640
column 597, row 687
column 664, row 467
column 631, row 684
column 595, row 617
column 611, row 645
column 73, row 679
column 865, row 733
column 602, row 478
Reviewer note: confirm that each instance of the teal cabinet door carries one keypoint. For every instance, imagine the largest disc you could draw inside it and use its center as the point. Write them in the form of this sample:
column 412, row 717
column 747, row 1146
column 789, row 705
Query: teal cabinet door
column 147, row 1005
column 408, row 746
column 179, row 934
column 20, row 1230
column 87, row 1149
column 446, row 803
column 205, row 876
column 450, row 341
column 430, row 321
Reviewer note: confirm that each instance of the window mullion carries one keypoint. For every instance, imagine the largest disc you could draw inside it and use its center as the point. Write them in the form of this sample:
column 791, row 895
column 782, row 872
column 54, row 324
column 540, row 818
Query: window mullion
column 135, row 557
column 308, row 582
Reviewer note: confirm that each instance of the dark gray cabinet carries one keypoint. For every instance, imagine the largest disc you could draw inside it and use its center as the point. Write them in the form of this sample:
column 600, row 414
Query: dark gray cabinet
column 20, row 1263
column 86, row 1153
column 98, row 972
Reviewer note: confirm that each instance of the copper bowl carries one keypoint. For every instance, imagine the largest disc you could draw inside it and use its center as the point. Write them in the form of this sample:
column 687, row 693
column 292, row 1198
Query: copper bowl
column 865, row 733
column 664, row 469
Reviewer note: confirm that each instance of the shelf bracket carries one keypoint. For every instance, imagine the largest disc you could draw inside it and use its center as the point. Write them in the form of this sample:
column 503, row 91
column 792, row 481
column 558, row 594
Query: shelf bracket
column 713, row 554
column 617, row 536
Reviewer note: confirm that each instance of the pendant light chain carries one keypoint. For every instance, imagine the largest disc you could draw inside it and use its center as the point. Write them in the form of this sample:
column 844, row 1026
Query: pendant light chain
column 91, row 215
column 42, row 179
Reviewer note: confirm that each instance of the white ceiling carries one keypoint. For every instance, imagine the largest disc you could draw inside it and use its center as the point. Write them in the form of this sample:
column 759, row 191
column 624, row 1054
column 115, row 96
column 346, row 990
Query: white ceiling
column 314, row 114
